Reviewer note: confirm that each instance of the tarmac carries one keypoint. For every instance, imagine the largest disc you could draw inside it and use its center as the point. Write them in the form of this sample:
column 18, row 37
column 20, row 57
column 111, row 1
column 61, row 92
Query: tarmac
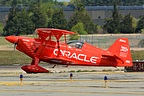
column 58, row 83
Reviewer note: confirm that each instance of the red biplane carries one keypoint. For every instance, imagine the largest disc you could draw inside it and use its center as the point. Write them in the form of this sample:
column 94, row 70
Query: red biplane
column 48, row 48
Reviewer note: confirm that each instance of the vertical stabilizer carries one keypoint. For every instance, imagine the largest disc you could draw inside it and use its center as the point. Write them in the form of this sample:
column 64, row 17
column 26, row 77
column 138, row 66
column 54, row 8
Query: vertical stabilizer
column 121, row 50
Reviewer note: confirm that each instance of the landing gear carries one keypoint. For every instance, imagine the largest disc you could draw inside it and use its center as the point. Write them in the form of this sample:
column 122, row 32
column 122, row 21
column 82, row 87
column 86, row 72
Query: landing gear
column 54, row 66
column 34, row 67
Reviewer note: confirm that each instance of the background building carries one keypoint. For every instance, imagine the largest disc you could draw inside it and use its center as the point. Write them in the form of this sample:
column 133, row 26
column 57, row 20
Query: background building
column 97, row 13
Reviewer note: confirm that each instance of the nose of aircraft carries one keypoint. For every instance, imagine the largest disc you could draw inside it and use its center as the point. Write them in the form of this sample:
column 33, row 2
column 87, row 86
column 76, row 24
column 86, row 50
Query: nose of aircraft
column 12, row 39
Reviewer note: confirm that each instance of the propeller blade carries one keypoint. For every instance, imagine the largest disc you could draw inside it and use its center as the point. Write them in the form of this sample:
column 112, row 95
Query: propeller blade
column 15, row 46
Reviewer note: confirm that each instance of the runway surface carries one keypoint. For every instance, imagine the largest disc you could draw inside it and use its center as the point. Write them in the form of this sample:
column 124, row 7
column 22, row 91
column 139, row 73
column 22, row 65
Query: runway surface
column 59, row 84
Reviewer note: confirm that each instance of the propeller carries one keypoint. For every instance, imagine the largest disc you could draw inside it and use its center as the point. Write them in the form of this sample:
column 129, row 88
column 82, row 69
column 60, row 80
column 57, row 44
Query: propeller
column 17, row 33
column 12, row 39
column 16, row 43
column 15, row 46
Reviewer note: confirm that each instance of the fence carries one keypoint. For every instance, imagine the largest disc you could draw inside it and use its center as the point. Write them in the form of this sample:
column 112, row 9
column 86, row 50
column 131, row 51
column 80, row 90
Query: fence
column 106, row 40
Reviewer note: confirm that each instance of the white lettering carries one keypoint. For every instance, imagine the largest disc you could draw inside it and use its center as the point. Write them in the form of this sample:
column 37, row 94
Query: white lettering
column 73, row 56
column 85, row 59
column 121, row 40
column 26, row 40
column 55, row 52
column 81, row 57
column 62, row 52
column 127, row 61
column 93, row 59
column 124, row 49
column 67, row 54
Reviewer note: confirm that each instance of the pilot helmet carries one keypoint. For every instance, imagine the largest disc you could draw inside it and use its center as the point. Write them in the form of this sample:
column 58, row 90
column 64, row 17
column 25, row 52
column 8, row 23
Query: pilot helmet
column 78, row 45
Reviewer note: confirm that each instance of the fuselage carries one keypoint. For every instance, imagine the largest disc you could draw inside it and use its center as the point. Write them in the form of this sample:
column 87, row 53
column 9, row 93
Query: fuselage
column 86, row 54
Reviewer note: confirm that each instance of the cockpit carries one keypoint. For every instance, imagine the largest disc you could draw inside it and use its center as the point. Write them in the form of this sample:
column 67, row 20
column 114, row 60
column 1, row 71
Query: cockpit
column 75, row 43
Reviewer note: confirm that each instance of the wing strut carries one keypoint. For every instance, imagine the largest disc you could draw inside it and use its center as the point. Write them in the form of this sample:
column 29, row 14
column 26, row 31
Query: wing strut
column 45, row 32
column 58, row 45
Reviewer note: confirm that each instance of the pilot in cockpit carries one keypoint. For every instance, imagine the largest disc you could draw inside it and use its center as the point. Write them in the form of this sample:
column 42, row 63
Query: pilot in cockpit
column 78, row 45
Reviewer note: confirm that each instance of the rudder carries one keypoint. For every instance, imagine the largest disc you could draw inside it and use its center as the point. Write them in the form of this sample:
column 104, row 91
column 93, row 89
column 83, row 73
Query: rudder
column 121, row 50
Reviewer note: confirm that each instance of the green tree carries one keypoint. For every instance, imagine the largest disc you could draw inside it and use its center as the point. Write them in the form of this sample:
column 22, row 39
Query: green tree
column 81, row 15
column 116, row 19
column 11, row 23
column 74, row 36
column 134, row 22
column 85, row 2
column 18, row 21
column 38, row 17
column 126, row 25
column 58, row 20
column 108, row 2
column 140, row 24
column 113, row 25
column 109, row 25
column 45, row 6
column 5, row 2
column 26, row 25
column 79, row 28
column 1, row 28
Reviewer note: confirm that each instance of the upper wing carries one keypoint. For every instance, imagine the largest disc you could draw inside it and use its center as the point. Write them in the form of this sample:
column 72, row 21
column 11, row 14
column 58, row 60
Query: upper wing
column 45, row 32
